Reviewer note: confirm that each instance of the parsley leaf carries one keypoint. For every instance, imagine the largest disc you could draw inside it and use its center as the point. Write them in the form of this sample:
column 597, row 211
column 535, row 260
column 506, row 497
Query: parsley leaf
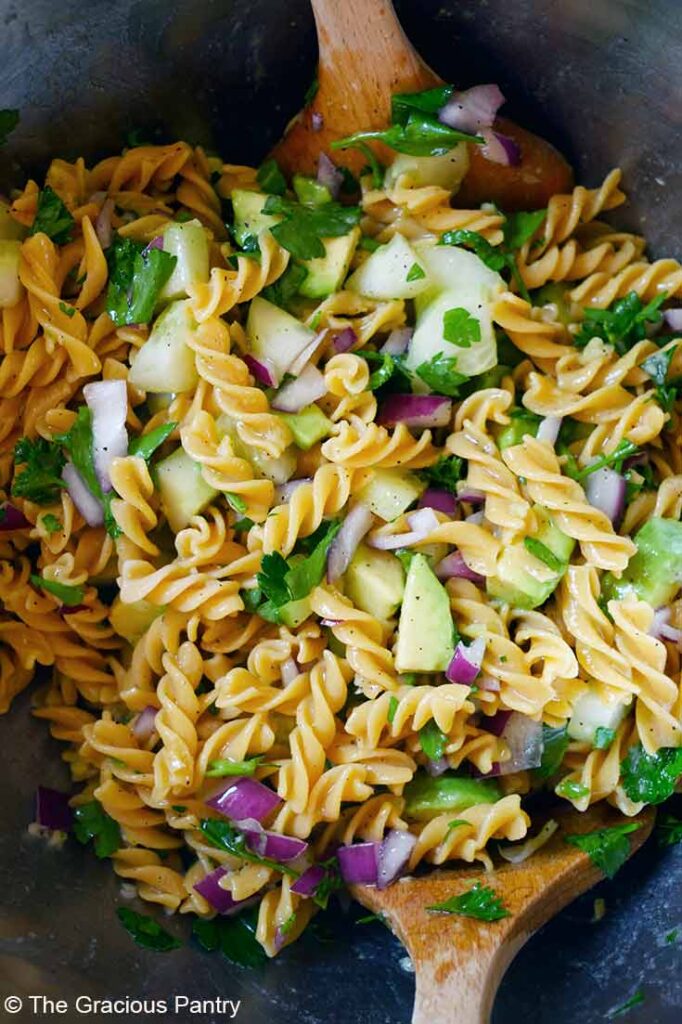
column 136, row 276
column 669, row 830
column 52, row 217
column 603, row 737
column 41, row 479
column 283, row 290
column 441, row 374
column 461, row 328
column 145, row 446
column 415, row 273
column 224, row 836
column 64, row 592
column 606, row 847
column 445, row 473
column 51, row 523
column 221, row 768
column 9, row 119
column 539, row 550
column 146, row 931
column 303, row 227
column 91, row 821
column 270, row 178
column 651, row 777
column 571, row 790
column 480, row 902
column 432, row 740
column 421, row 134
column 623, row 324
column 554, row 746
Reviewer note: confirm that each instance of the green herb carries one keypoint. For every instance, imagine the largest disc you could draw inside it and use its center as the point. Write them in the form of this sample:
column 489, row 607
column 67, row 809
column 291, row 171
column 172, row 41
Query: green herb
column 50, row 523
column 64, row 592
column 445, row 473
column 283, row 290
column 539, row 550
column 303, row 227
column 145, row 446
column 460, row 328
column 221, row 768
column 224, row 836
column 136, row 276
column 608, row 848
column 603, row 737
column 571, row 790
column 623, row 324
column 91, row 821
column 68, row 310
column 52, row 217
column 651, row 778
column 369, row 244
column 441, row 374
column 415, row 273
column 432, row 740
column 41, row 479
column 554, row 746
column 636, row 1000
column 657, row 366
column 9, row 119
column 236, row 502
column 392, row 708
column 146, row 931
column 270, row 178
column 421, row 134
column 669, row 830
column 457, row 822
column 622, row 451
column 480, row 902
column 79, row 444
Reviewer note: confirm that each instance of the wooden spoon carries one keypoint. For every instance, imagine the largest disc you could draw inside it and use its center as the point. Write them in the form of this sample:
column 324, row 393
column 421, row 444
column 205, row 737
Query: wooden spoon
column 365, row 57
column 459, row 961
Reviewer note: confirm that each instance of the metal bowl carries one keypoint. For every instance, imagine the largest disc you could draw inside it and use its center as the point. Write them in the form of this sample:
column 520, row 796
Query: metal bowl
column 602, row 79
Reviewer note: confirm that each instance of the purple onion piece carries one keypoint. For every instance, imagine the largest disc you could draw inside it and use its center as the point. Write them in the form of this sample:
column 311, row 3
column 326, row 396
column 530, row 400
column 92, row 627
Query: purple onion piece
column 52, row 809
column 441, row 500
column 245, row 798
column 12, row 518
column 415, row 411
column 394, row 854
column 359, row 863
column 344, row 340
column 357, row 523
column 454, row 566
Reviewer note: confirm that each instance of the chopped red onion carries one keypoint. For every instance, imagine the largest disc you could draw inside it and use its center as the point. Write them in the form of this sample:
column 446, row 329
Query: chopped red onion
column 398, row 341
column 52, row 809
column 316, row 121
column 497, row 723
column 219, row 898
column 500, row 149
column 394, row 853
column 415, row 411
column 103, row 228
column 466, row 662
column 274, row 845
column 673, row 318
column 108, row 402
column 357, row 523
column 308, row 882
column 12, row 518
column 290, row 671
column 421, row 523
column 359, row 863
column 549, row 429
column 245, row 798
column 329, row 175
column 303, row 391
column 284, row 491
column 262, row 370
column 523, row 736
column 344, row 340
column 453, row 565
column 306, row 354
column 473, row 109
column 438, row 767
column 143, row 726
column 86, row 503
column 441, row 500
column 605, row 489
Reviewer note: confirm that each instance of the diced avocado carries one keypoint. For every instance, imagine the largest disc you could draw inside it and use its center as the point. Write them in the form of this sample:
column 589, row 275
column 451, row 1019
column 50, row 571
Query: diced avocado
column 426, row 797
column 375, row 582
column 390, row 492
column 426, row 630
column 308, row 426
column 10, row 229
column 184, row 492
column 445, row 171
column 594, row 710
column 393, row 271
column 11, row 288
column 309, row 191
column 188, row 242
column 131, row 621
column 275, row 335
column 516, row 582
column 294, row 613
column 522, row 423
column 249, row 218
column 166, row 362
column 327, row 273
column 279, row 469
column 654, row 573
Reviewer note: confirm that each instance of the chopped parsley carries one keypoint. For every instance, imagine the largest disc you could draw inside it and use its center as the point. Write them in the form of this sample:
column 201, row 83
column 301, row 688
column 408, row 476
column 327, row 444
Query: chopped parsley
column 623, row 324
column 603, row 737
column 415, row 273
column 50, row 523
column 136, row 276
column 145, row 446
column 9, row 119
column 669, row 830
column 40, row 481
column 539, row 550
column 480, row 902
column 221, row 768
column 146, row 931
column 607, row 848
column 432, row 740
column 445, row 473
column 271, row 179
column 460, row 328
column 224, row 836
column 651, row 778
column 91, row 821
column 64, row 592
column 441, row 374
column 303, row 227
column 52, row 217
